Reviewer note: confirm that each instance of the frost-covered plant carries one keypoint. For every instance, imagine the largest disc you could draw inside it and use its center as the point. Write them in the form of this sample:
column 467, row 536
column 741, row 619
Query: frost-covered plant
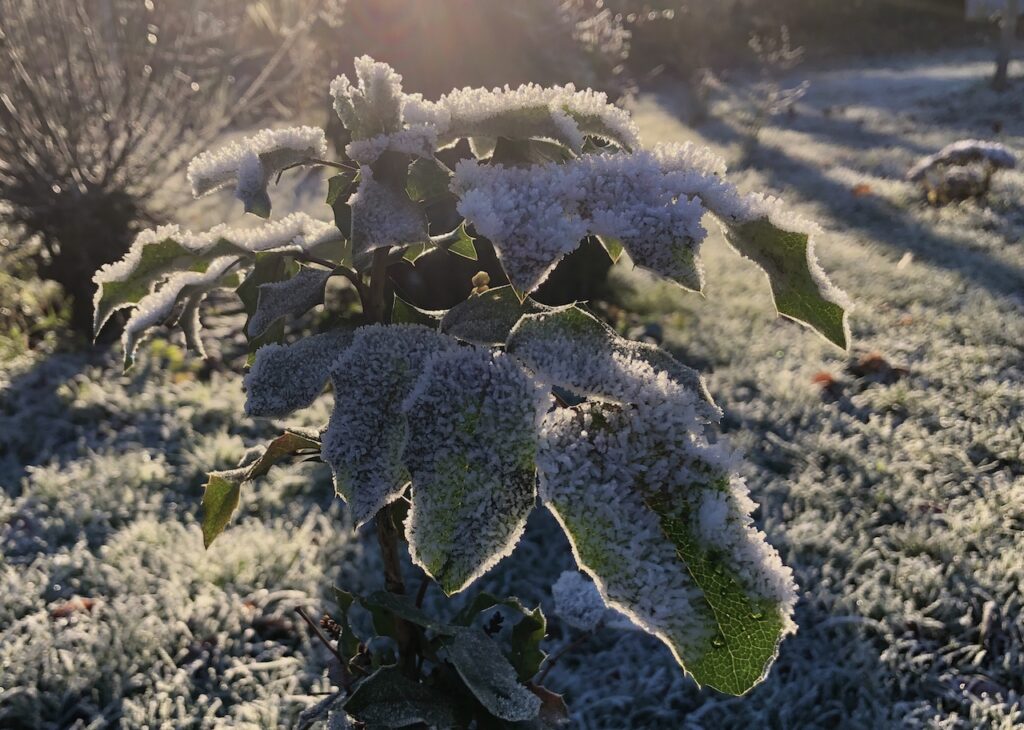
column 961, row 170
column 769, row 98
column 448, row 426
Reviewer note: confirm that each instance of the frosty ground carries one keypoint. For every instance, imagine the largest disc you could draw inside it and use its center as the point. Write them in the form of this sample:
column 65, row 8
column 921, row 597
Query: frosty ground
column 892, row 479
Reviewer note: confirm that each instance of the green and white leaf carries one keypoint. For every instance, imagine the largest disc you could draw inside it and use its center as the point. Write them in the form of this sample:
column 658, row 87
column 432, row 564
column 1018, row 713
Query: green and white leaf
column 388, row 699
column 384, row 216
column 473, row 419
column 487, row 318
column 490, row 677
column 290, row 298
column 576, row 351
column 285, row 378
column 655, row 518
column 166, row 250
column 366, row 436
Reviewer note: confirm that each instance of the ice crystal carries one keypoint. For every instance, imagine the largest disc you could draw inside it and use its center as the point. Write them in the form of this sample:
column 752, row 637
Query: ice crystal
column 365, row 439
column 250, row 163
column 291, row 297
column 285, row 378
column 473, row 421
column 372, row 106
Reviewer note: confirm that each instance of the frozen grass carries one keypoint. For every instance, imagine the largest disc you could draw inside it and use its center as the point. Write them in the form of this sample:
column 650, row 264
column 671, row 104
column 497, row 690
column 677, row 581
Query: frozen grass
column 897, row 495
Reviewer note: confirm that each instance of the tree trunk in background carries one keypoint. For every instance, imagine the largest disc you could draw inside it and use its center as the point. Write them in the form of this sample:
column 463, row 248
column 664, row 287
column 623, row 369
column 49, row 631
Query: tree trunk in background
column 1007, row 38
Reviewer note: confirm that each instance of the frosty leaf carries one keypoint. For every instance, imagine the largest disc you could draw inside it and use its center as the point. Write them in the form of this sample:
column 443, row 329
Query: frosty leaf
column 366, row 436
column 576, row 351
column 799, row 286
column 487, row 318
column 560, row 113
column 159, row 252
column 472, row 440
column 223, row 488
column 388, row 699
column 290, row 298
column 577, row 601
column 655, row 519
column 526, row 635
column 155, row 308
column 251, row 163
column 383, row 215
column 374, row 104
column 285, row 378
column 490, row 677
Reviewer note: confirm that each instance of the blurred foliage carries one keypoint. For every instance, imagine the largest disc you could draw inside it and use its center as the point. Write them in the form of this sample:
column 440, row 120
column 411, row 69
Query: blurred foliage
column 31, row 312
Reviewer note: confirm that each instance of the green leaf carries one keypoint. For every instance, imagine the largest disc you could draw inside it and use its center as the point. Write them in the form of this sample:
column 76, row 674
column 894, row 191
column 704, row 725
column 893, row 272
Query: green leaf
column 404, row 313
column 472, row 440
column 801, row 291
column 428, row 180
column 220, row 500
column 415, row 251
column 404, row 608
column 490, row 677
column 519, row 152
column 613, row 246
column 463, row 245
column 348, row 642
column 268, row 268
column 388, row 699
column 577, row 352
column 527, row 633
column 666, row 532
column 223, row 488
column 339, row 187
column 487, row 318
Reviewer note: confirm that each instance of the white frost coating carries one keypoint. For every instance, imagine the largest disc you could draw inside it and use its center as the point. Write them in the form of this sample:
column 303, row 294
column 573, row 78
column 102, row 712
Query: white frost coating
column 291, row 297
column 473, row 421
column 382, row 216
column 529, row 214
column 156, row 307
column 573, row 350
column 560, row 112
column 964, row 152
column 365, row 438
column 382, row 118
column 251, row 162
column 602, row 466
column 294, row 232
column 285, row 378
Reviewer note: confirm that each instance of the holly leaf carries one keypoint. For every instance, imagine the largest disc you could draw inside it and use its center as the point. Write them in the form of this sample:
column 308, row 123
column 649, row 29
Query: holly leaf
column 289, row 298
column 490, row 677
column 799, row 286
column 472, row 440
column 388, row 699
column 428, row 180
column 487, row 318
column 666, row 534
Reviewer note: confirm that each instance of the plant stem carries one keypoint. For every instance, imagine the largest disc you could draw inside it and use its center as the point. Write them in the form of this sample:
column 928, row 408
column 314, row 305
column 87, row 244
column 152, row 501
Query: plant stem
column 552, row 659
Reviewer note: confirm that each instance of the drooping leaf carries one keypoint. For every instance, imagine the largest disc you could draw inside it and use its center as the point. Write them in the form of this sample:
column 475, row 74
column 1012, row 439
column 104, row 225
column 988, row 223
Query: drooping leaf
column 388, row 699
column 490, row 677
column 365, row 439
column 578, row 352
column 799, row 286
column 290, row 298
column 472, row 440
column 654, row 517
column 223, row 488
column 220, row 500
column 487, row 318
column 285, row 378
